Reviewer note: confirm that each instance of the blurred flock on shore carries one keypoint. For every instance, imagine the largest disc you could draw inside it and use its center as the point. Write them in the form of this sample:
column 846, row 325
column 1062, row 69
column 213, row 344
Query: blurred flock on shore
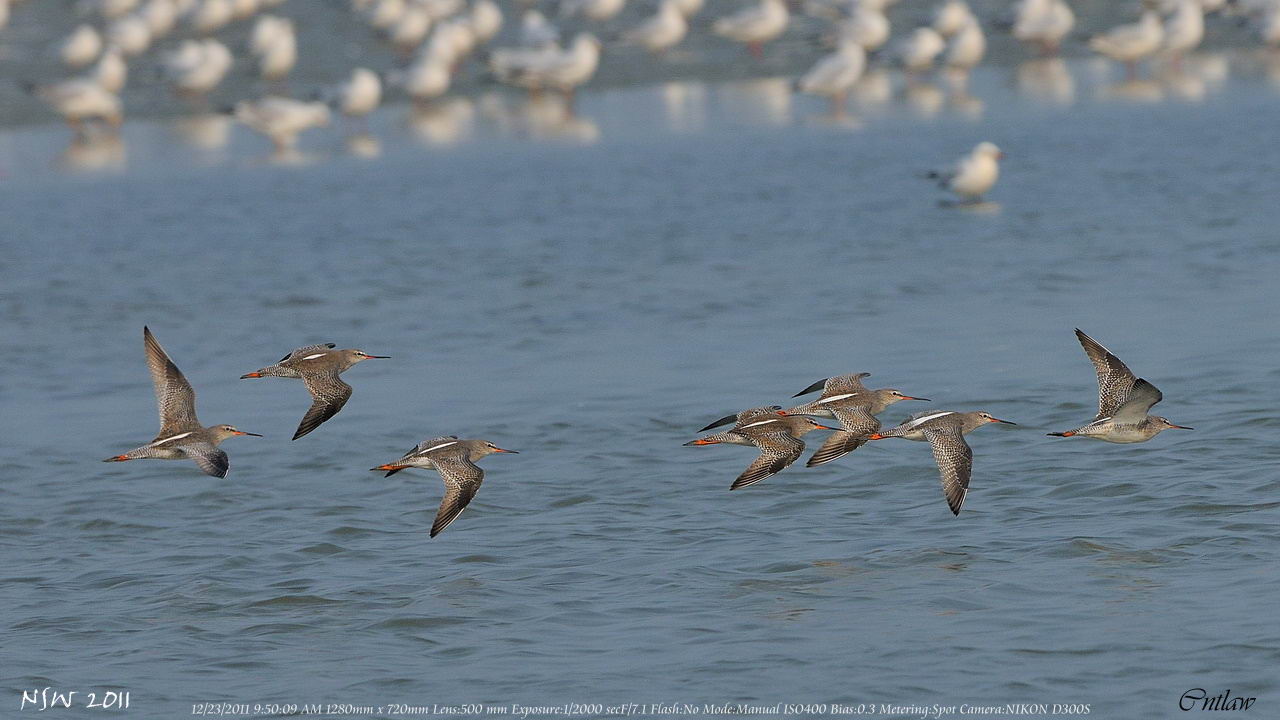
column 447, row 70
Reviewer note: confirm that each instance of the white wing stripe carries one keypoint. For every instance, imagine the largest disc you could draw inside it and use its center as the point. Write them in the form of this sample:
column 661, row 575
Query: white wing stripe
column 834, row 398
column 761, row 422
column 926, row 418
column 313, row 357
column 175, row 437
column 437, row 447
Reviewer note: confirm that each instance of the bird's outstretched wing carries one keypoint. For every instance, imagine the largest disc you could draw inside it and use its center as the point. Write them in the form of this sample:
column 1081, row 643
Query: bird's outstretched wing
column 955, row 462
column 1138, row 403
column 213, row 461
column 1115, row 380
column 175, row 399
column 858, row 423
column 461, row 481
column 330, row 393
column 777, row 450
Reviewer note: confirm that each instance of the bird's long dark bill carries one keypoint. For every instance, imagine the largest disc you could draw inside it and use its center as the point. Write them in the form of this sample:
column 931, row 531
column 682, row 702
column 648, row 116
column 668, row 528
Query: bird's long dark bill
column 1006, row 422
column 249, row 434
column 908, row 397
column 812, row 388
column 1183, row 427
column 378, row 357
column 513, row 452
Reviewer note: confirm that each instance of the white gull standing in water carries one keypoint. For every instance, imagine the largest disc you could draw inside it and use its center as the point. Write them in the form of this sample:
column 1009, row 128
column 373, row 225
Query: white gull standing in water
column 974, row 174
column 1043, row 23
column 1131, row 43
column 835, row 74
column 660, row 31
column 755, row 25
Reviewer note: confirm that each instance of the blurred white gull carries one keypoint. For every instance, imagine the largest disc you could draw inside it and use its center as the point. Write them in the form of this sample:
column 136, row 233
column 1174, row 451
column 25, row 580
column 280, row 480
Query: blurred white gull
column 79, row 100
column 197, row 66
column 359, row 95
column 834, row 75
column 4, row 13
column 277, row 59
column 209, row 16
column 281, row 119
column 242, row 9
column 81, row 47
column 867, row 26
column 536, row 31
column 449, row 44
column 161, row 16
column 1131, row 43
column 967, row 46
column 383, row 14
column 265, row 31
column 974, row 175
column 110, row 71
column 426, row 79
column 486, row 20
column 594, row 10
column 755, row 25
column 919, row 49
column 131, row 33
column 1043, row 23
column 660, row 31
column 951, row 17
column 409, row 30
column 1184, row 29
column 556, row 70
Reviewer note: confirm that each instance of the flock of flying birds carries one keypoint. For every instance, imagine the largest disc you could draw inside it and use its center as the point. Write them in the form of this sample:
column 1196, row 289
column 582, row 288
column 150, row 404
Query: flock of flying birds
column 1124, row 401
column 435, row 38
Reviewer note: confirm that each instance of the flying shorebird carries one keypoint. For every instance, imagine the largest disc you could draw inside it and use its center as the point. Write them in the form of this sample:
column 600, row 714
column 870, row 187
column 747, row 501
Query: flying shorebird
column 181, row 435
column 319, row 367
column 1123, row 401
column 846, row 399
column 455, row 460
column 776, row 434
column 945, row 433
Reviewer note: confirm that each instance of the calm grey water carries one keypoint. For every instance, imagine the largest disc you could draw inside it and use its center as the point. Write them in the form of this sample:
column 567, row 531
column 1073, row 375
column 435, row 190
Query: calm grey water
column 671, row 255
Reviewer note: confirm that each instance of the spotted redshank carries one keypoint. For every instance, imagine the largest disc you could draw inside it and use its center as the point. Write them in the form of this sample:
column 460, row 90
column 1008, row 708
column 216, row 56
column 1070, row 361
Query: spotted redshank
column 181, row 435
column 847, row 400
column 945, row 433
column 776, row 435
column 455, row 460
column 1123, row 401
column 318, row 366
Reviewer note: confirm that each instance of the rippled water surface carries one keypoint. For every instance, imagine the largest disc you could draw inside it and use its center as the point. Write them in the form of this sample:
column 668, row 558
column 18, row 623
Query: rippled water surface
column 590, row 297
